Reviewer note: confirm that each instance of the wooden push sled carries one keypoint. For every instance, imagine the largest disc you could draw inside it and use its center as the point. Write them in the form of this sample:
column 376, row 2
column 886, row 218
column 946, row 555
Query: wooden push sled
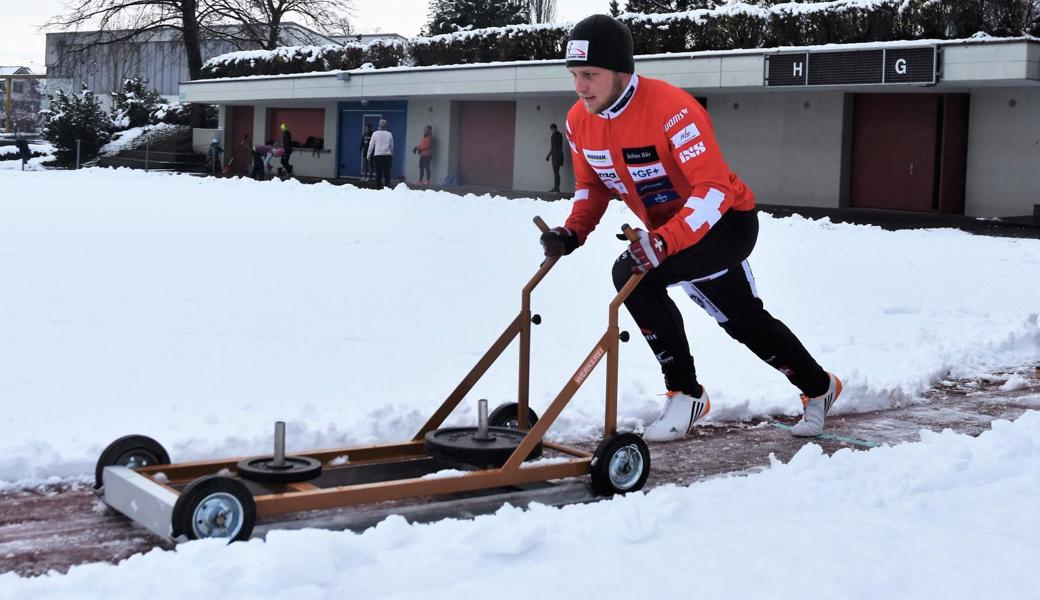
column 223, row 498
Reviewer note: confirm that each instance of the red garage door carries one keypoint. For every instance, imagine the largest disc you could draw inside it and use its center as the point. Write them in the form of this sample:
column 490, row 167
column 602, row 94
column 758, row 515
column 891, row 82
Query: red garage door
column 486, row 138
column 241, row 141
column 894, row 149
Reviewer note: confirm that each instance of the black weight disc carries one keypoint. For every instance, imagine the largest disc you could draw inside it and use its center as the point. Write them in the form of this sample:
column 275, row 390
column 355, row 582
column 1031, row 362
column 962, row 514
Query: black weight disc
column 295, row 469
column 460, row 444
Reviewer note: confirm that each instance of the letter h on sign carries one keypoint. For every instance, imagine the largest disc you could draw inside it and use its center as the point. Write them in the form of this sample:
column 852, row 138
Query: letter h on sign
column 796, row 69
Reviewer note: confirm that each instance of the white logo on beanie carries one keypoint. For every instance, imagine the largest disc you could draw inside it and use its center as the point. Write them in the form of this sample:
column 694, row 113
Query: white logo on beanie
column 578, row 50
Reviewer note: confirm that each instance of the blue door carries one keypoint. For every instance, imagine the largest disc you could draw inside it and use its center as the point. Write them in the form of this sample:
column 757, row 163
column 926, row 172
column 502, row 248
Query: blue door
column 353, row 116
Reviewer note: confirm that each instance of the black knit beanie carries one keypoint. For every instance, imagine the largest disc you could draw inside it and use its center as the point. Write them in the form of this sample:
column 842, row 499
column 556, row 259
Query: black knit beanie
column 601, row 41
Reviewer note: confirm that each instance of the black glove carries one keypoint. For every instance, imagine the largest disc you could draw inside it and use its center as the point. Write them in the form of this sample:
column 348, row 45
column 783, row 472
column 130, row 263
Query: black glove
column 558, row 241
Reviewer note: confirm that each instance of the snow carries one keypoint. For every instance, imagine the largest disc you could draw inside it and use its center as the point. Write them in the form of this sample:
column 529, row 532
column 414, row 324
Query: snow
column 949, row 517
column 132, row 137
column 198, row 311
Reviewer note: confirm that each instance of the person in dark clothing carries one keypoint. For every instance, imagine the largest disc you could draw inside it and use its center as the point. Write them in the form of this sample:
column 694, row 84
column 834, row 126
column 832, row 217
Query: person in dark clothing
column 556, row 155
column 261, row 156
column 23, row 151
column 287, row 147
column 366, row 164
column 213, row 154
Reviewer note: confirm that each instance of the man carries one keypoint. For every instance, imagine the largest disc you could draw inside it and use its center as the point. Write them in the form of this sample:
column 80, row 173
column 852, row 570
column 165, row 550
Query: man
column 381, row 152
column 287, row 149
column 653, row 145
column 556, row 154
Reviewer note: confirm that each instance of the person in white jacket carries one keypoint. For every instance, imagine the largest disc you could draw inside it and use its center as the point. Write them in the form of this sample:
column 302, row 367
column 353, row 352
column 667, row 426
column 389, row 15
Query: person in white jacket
column 381, row 153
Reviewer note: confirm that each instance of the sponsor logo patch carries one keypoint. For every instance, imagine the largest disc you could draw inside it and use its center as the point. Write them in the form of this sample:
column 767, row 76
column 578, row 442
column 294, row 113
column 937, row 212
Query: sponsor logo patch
column 598, row 158
column 685, row 135
column 679, row 116
column 645, row 172
column 611, row 179
column 692, row 152
column 660, row 198
column 638, row 156
column 649, row 187
column 578, row 50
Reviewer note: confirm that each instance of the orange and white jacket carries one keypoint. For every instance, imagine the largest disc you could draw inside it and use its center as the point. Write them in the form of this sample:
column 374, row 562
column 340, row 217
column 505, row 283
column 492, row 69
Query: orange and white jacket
column 656, row 149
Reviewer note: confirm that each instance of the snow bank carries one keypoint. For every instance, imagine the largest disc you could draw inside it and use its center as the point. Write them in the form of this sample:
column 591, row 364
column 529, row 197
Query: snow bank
column 949, row 517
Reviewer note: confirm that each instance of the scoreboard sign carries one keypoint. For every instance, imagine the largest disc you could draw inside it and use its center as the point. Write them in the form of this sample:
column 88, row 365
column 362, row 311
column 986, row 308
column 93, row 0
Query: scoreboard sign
column 871, row 66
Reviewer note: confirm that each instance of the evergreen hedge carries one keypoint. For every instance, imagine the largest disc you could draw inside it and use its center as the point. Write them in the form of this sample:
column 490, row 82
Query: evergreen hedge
column 762, row 24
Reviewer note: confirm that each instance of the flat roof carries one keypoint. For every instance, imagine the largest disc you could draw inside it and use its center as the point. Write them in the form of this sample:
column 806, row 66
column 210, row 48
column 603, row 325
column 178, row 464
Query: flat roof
column 975, row 62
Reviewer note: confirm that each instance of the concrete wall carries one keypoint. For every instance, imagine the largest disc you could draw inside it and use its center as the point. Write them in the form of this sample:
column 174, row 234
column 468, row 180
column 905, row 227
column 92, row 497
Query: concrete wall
column 786, row 146
column 435, row 112
column 533, row 116
column 1003, row 152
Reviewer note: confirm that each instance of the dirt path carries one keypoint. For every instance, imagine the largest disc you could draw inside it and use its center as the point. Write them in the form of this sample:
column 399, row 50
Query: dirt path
column 59, row 526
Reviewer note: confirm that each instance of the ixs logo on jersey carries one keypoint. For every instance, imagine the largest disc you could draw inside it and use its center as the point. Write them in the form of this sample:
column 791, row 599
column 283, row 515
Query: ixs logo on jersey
column 685, row 135
column 679, row 116
column 598, row 158
column 638, row 156
column 645, row 172
column 692, row 152
column 578, row 50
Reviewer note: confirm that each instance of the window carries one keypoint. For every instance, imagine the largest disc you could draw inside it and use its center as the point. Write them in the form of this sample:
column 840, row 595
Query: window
column 307, row 126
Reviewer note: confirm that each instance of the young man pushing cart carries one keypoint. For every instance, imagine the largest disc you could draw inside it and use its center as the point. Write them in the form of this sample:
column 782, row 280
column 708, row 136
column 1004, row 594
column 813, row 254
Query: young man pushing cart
column 652, row 144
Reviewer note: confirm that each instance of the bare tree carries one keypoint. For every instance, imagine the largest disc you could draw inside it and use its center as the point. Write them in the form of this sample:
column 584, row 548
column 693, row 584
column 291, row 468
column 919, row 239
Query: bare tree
column 118, row 21
column 543, row 11
column 260, row 22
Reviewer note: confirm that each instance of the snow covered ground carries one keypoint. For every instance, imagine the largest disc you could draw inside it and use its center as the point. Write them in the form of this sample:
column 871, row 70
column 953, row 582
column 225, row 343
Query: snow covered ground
column 198, row 311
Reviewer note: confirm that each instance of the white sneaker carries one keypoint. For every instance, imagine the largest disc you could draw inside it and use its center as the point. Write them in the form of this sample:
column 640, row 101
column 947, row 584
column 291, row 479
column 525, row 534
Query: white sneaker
column 816, row 409
column 679, row 415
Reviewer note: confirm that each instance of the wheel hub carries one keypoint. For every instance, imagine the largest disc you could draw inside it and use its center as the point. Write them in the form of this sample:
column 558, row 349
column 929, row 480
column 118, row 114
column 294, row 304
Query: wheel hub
column 217, row 516
column 626, row 466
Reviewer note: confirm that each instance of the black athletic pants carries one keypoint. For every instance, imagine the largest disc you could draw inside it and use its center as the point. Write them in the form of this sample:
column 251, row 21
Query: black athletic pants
column 716, row 275
column 286, row 165
column 382, row 164
column 556, row 175
column 424, row 167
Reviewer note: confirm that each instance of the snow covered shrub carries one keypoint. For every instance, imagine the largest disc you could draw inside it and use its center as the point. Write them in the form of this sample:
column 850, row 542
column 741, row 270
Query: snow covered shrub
column 385, row 53
column 76, row 117
column 544, row 41
column 179, row 113
column 284, row 61
column 134, row 105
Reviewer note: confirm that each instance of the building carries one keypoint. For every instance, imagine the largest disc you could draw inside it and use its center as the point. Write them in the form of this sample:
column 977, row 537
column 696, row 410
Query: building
column 946, row 126
column 20, row 95
column 158, row 56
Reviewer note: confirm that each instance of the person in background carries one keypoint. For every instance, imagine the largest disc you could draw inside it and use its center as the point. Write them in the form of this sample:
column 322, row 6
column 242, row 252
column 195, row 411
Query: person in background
column 287, row 147
column 425, row 152
column 213, row 154
column 381, row 151
column 653, row 145
column 23, row 151
column 366, row 165
column 556, row 155
column 261, row 154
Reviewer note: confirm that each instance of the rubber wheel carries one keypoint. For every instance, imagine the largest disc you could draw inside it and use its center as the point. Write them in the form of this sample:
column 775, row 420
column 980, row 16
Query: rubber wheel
column 620, row 464
column 130, row 451
column 506, row 416
column 214, row 506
